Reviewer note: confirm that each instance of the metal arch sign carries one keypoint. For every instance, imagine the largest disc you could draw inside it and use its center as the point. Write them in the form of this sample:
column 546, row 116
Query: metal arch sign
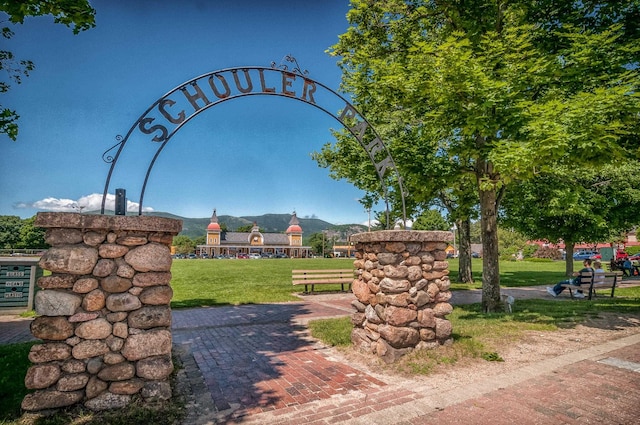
column 176, row 108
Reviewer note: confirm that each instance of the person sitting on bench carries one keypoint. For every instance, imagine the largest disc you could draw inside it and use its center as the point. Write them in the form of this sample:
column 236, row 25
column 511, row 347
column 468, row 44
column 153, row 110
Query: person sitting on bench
column 558, row 288
column 627, row 268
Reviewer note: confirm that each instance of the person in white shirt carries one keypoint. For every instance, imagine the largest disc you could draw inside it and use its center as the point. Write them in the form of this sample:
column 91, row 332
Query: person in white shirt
column 558, row 288
column 598, row 273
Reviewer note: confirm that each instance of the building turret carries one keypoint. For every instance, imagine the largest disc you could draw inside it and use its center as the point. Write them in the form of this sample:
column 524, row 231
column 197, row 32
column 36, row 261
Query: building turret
column 294, row 231
column 255, row 237
column 213, row 230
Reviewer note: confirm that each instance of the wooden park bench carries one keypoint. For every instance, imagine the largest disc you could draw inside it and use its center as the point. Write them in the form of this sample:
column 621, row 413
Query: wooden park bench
column 590, row 283
column 322, row 277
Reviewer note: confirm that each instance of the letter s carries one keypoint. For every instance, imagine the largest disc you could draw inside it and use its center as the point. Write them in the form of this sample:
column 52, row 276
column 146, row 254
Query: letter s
column 150, row 130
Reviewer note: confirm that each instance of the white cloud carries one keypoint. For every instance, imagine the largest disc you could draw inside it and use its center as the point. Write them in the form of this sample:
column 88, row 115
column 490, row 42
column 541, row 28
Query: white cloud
column 374, row 222
column 92, row 202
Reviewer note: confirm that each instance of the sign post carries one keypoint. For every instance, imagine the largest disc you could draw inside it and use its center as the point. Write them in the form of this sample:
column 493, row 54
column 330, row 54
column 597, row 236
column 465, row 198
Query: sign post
column 18, row 279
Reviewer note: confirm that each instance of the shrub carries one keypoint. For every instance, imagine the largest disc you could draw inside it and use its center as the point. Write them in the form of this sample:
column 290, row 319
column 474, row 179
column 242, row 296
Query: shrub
column 632, row 250
column 539, row 260
column 548, row 252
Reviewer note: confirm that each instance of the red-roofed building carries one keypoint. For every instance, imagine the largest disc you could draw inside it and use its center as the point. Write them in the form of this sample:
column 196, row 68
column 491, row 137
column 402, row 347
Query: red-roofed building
column 255, row 242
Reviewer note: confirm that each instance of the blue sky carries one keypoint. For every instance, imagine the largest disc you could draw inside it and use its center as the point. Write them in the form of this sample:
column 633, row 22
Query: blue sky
column 248, row 156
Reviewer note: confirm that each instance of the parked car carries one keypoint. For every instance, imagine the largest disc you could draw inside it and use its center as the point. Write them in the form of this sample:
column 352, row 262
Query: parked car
column 192, row 256
column 242, row 256
column 584, row 255
column 255, row 256
column 635, row 257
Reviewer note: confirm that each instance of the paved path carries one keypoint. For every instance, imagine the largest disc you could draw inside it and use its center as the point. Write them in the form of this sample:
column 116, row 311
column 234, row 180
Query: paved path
column 256, row 364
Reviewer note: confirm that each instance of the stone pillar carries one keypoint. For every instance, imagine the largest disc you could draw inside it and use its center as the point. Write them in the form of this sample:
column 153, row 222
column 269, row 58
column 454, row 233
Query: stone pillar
column 104, row 312
column 402, row 292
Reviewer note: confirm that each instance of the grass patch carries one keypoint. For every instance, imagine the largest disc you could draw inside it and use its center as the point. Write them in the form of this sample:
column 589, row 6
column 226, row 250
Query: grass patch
column 14, row 363
column 135, row 413
column 13, row 391
column 333, row 332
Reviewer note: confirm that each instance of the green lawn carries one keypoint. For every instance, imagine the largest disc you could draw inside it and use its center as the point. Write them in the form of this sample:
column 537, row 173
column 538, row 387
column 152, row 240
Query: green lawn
column 517, row 273
column 220, row 282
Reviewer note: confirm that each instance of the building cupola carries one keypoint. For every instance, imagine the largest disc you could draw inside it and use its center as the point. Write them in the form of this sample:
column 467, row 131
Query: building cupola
column 214, row 222
column 294, row 225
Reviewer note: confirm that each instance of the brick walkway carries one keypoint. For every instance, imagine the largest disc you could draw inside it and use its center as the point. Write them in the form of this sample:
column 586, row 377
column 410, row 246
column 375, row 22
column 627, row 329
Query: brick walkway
column 259, row 358
column 14, row 329
column 261, row 367
column 256, row 364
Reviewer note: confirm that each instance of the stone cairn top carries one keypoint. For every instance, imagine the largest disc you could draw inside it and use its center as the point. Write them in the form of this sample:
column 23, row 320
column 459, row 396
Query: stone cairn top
column 108, row 222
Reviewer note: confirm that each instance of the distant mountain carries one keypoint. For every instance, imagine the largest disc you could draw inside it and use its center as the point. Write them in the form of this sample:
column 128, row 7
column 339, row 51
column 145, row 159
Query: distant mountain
column 269, row 223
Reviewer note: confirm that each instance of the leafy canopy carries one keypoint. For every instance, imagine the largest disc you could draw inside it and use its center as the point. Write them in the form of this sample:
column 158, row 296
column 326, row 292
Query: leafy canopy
column 488, row 94
column 75, row 14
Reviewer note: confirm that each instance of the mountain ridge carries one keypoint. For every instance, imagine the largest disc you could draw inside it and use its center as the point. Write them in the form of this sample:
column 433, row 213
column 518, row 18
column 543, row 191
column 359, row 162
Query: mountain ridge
column 268, row 223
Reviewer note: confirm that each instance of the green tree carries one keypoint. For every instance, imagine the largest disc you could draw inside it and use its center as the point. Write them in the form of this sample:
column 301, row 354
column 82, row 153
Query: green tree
column 499, row 91
column 476, row 236
column 247, row 229
column 183, row 244
column 511, row 242
column 31, row 237
column 574, row 205
column 461, row 205
column 75, row 14
column 431, row 220
column 10, row 231
column 321, row 244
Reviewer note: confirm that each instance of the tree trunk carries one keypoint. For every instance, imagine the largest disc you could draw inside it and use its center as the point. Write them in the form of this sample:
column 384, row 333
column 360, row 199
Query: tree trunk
column 464, row 258
column 568, row 258
column 490, row 257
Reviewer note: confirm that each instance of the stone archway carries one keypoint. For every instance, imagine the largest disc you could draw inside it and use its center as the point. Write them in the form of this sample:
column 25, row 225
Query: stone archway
column 167, row 115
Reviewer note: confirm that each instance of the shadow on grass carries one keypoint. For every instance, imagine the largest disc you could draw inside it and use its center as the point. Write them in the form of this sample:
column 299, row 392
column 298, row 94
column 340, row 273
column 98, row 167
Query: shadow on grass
column 198, row 302
column 13, row 367
column 601, row 313
column 512, row 279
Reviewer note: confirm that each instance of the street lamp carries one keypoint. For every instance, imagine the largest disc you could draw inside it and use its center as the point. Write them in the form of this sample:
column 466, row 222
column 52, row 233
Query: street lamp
column 323, row 243
column 453, row 230
column 367, row 203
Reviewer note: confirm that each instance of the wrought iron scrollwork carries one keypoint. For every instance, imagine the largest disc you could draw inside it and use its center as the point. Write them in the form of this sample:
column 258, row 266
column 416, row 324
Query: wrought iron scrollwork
column 283, row 66
column 106, row 156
